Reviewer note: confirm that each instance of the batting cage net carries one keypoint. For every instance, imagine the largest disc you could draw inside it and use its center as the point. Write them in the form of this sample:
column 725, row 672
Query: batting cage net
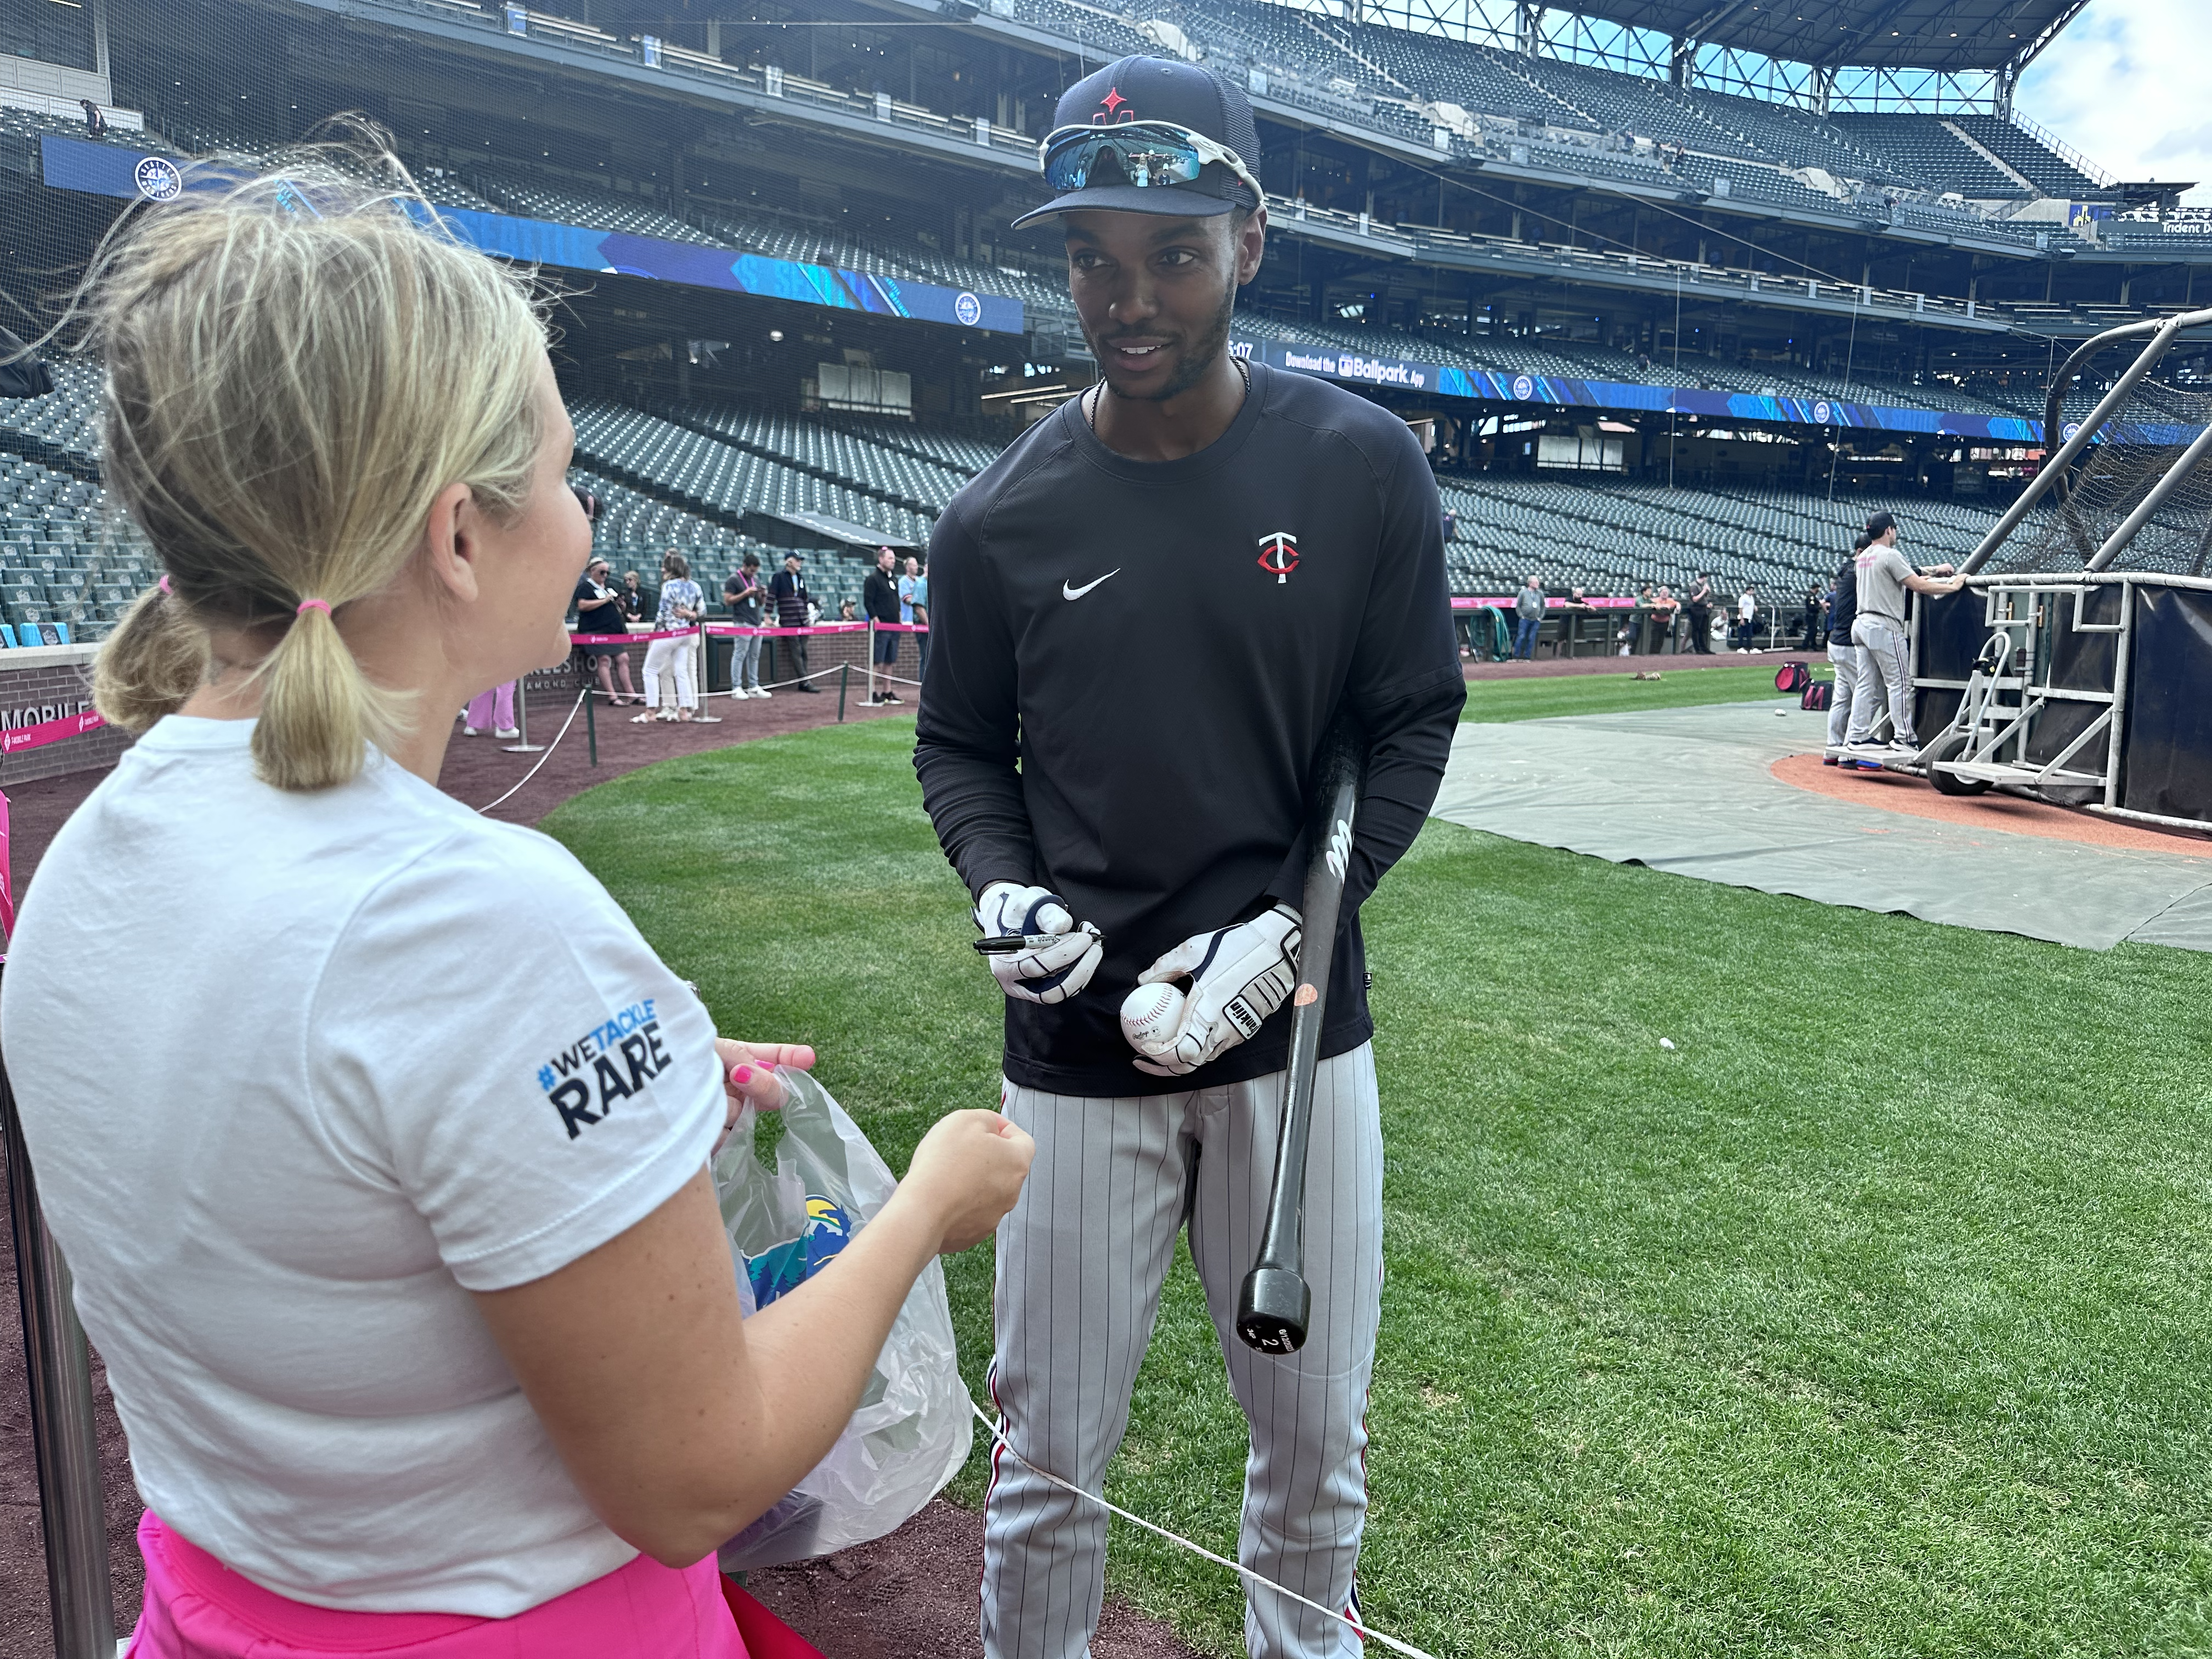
column 2143, row 441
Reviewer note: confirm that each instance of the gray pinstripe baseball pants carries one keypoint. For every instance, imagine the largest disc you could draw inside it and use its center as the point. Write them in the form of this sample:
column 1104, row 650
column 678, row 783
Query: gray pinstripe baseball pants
column 1081, row 1259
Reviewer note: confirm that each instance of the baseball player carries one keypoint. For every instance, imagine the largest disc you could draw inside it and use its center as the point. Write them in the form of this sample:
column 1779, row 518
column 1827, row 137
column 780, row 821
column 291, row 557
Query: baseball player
column 1146, row 613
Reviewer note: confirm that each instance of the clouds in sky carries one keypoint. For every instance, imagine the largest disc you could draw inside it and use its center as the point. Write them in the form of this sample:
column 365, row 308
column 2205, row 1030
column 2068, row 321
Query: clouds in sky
column 2129, row 84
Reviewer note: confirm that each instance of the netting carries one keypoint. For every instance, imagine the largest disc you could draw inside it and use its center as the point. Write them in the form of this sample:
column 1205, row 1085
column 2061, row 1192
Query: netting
column 2144, row 440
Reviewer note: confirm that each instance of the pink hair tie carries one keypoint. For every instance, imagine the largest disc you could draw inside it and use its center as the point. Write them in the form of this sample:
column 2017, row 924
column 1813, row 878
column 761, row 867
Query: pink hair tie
column 305, row 605
column 164, row 586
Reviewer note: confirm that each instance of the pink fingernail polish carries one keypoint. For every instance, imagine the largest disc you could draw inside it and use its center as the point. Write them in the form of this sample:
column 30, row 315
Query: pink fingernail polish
column 741, row 1074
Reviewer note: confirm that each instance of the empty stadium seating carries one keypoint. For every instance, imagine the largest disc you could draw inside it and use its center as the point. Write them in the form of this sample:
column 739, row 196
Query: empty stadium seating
column 60, row 560
column 1613, row 535
column 718, row 478
column 535, row 198
column 1924, row 150
column 2027, row 156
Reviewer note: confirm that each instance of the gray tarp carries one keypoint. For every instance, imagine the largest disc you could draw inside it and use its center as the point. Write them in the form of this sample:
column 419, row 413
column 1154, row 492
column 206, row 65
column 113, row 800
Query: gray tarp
column 1687, row 791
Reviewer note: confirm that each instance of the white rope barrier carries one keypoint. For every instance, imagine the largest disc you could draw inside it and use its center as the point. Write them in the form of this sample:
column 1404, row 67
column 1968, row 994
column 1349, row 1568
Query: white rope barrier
column 547, row 756
column 1366, row 1631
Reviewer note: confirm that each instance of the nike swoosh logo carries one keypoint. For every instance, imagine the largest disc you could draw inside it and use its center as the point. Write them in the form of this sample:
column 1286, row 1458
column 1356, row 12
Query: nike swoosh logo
column 1068, row 590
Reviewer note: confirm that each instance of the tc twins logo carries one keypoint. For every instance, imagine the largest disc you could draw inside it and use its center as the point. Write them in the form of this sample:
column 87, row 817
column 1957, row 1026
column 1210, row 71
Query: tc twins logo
column 612, row 1061
column 1279, row 554
column 1113, row 109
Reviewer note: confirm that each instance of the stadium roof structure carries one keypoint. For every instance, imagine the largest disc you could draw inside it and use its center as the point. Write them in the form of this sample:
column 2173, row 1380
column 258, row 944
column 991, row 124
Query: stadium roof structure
column 1930, row 34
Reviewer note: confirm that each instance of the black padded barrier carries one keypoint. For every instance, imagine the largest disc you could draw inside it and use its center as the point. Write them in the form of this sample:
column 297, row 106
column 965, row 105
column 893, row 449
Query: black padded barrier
column 1947, row 642
column 2078, row 662
column 2167, row 759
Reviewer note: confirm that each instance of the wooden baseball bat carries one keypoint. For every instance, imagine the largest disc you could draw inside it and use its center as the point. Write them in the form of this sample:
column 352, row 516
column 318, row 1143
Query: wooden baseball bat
column 1272, row 1306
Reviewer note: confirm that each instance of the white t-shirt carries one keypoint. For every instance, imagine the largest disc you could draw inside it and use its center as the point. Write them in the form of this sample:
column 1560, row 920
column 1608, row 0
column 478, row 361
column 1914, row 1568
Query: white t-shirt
column 298, row 1073
column 1882, row 571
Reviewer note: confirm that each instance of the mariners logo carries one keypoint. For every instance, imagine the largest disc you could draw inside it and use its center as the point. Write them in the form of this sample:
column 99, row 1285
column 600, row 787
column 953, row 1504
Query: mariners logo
column 968, row 309
column 1821, row 413
column 782, row 1268
column 157, row 179
column 1279, row 554
column 1524, row 388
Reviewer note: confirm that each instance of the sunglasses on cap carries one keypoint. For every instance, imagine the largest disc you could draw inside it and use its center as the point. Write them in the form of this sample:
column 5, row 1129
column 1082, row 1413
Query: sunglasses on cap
column 1150, row 154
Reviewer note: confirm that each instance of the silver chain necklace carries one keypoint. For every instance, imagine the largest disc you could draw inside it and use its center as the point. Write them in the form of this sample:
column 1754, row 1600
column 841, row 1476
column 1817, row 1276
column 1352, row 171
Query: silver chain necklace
column 1089, row 404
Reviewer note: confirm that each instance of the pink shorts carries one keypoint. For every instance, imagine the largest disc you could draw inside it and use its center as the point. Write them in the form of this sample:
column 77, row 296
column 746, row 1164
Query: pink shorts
column 197, row 1608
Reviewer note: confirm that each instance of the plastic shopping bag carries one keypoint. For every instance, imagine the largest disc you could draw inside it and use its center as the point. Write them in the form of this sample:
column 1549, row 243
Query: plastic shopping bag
column 910, row 1433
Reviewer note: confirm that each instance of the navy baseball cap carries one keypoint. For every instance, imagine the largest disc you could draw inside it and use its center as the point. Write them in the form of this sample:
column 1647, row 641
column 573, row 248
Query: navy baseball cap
column 1138, row 90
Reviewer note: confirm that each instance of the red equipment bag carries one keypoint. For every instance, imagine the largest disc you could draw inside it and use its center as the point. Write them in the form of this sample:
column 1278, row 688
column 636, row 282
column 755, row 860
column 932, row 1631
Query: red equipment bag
column 1792, row 677
column 1817, row 694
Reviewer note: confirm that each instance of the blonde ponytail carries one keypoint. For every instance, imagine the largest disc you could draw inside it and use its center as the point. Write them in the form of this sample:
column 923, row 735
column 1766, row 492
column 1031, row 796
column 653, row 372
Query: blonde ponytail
column 156, row 659
column 297, row 364
column 319, row 711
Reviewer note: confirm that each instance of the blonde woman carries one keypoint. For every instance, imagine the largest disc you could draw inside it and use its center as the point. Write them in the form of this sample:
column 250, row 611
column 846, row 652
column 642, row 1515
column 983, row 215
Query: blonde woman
column 413, row 1290
column 669, row 693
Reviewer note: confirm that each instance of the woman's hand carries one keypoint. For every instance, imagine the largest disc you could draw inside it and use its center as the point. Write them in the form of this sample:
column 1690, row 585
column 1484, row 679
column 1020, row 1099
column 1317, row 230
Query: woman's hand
column 969, row 1169
column 748, row 1074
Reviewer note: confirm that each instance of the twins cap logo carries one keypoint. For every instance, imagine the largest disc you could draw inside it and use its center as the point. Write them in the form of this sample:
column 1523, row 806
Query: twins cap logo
column 1113, row 109
column 1279, row 554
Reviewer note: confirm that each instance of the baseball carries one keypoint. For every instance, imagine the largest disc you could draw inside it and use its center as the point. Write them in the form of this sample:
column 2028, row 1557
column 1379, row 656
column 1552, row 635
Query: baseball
column 1151, row 1015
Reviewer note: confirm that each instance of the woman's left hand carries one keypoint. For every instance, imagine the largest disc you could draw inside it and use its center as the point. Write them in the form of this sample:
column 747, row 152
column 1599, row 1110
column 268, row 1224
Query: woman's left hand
column 749, row 1071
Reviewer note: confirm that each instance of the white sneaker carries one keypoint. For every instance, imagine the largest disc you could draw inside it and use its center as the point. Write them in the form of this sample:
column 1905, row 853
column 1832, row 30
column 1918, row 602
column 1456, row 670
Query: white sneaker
column 760, row 691
column 508, row 732
column 472, row 731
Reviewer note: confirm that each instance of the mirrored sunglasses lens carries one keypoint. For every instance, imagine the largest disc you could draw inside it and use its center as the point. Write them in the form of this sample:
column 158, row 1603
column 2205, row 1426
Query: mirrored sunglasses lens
column 1156, row 165
column 1145, row 162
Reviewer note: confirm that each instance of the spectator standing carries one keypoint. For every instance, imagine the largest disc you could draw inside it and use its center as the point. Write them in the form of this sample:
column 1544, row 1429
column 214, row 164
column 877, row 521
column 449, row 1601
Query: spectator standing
column 792, row 600
column 1815, row 625
column 668, row 662
column 1746, row 615
column 906, row 581
column 1665, row 608
column 494, row 709
column 1529, row 613
column 916, row 592
column 745, row 596
column 1843, row 655
column 599, row 611
column 1639, row 613
column 1578, row 607
column 95, row 118
column 1878, row 630
column 1700, row 608
column 879, row 595
column 637, row 604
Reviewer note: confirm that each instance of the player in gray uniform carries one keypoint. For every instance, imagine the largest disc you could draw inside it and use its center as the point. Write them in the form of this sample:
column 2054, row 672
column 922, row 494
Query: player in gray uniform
column 1885, row 669
column 1146, row 614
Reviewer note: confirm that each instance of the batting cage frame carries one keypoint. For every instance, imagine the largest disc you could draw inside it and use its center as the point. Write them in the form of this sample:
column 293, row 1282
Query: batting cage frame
column 2061, row 671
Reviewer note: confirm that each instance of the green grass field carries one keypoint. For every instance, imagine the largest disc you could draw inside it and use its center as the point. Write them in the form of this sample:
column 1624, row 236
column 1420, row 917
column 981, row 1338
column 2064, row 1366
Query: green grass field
column 1492, row 701
column 1874, row 1317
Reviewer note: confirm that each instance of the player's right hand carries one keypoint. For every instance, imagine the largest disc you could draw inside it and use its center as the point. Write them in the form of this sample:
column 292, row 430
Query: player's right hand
column 1051, row 973
column 969, row 1169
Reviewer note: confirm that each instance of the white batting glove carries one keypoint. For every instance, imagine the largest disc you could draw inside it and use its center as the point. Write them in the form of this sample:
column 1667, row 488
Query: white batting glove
column 1051, row 973
column 1239, row 976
